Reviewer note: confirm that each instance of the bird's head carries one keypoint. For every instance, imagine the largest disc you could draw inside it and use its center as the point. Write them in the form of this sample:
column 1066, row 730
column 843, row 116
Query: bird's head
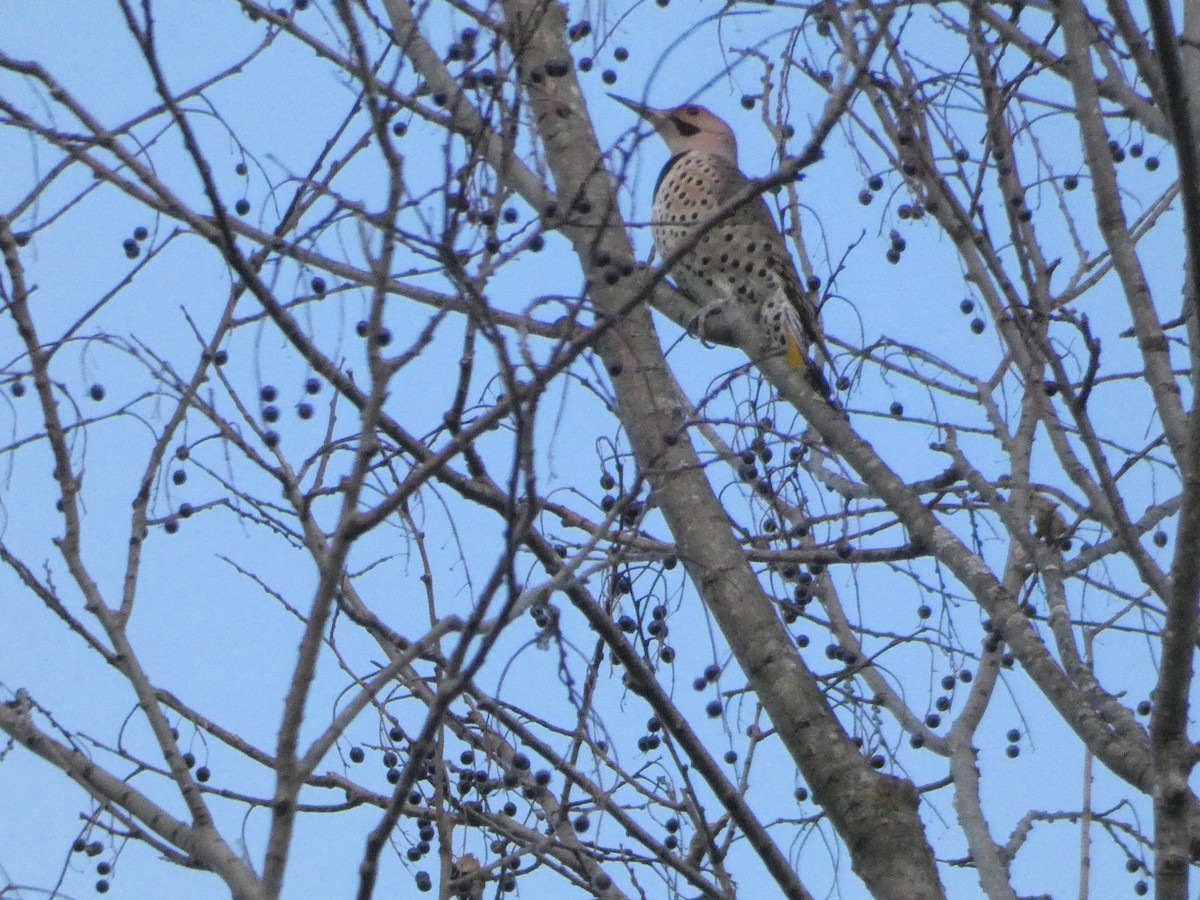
column 688, row 127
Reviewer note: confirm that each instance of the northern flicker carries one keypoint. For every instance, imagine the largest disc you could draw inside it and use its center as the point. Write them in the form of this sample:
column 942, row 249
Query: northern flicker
column 744, row 257
column 1049, row 525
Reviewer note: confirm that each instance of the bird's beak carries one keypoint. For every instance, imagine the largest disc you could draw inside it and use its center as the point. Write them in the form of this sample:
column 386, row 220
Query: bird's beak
column 651, row 115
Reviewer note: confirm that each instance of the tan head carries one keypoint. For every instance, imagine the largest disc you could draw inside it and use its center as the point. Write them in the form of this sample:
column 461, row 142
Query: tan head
column 688, row 127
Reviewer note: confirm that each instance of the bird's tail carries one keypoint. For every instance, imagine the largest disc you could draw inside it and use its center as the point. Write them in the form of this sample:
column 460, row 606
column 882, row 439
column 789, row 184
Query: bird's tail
column 794, row 355
column 795, row 342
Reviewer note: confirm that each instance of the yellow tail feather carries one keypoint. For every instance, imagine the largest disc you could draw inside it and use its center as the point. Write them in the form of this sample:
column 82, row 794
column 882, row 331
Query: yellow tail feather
column 793, row 355
column 797, row 360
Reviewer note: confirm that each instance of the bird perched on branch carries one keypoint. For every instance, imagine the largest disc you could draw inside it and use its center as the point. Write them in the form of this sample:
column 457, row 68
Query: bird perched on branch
column 743, row 258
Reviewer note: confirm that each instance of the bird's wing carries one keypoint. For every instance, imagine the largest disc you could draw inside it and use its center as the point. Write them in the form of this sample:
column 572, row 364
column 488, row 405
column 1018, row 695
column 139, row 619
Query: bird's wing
column 806, row 323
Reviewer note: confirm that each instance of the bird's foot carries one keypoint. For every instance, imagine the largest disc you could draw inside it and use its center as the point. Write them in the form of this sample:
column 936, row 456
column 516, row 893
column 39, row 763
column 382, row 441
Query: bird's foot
column 696, row 327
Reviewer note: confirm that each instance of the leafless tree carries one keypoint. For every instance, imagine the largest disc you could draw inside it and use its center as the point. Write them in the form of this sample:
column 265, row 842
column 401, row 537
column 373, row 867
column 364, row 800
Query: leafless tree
column 384, row 487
